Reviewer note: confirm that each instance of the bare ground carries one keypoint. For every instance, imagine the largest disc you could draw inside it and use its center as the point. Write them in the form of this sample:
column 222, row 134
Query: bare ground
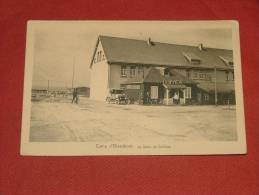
column 61, row 121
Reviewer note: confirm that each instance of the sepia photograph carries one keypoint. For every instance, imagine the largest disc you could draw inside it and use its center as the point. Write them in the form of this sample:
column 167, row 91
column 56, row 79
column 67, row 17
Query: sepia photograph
column 132, row 88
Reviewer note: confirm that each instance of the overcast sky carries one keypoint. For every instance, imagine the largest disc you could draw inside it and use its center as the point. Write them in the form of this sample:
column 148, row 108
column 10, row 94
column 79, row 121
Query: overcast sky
column 59, row 45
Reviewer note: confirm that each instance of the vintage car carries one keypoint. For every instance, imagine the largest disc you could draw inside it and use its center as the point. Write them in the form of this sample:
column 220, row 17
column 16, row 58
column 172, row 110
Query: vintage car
column 117, row 96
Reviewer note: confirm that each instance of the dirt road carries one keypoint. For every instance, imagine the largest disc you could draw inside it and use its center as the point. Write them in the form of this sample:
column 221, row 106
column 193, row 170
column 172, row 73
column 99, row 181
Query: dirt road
column 98, row 121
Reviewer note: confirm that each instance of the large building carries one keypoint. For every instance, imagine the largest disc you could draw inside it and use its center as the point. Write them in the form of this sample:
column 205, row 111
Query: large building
column 153, row 72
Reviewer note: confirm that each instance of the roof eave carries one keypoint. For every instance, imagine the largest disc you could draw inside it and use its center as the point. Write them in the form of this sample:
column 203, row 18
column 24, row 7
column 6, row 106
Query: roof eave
column 96, row 46
column 188, row 66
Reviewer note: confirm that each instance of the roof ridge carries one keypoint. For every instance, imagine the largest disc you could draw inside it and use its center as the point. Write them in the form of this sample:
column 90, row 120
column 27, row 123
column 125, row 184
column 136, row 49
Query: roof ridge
column 157, row 42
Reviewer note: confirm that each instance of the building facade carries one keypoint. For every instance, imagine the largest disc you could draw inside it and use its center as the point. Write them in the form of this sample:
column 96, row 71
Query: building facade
column 161, row 73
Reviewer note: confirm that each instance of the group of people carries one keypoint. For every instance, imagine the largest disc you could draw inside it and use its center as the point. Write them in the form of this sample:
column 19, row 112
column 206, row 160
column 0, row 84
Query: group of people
column 176, row 98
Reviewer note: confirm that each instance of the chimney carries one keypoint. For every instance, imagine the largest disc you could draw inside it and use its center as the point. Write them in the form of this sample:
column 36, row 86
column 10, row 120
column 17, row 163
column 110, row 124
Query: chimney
column 201, row 47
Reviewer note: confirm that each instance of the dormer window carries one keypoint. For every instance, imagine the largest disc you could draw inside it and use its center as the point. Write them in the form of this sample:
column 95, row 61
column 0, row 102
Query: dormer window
column 227, row 60
column 192, row 58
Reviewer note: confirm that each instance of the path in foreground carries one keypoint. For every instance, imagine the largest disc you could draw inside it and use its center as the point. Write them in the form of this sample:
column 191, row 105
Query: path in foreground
column 98, row 121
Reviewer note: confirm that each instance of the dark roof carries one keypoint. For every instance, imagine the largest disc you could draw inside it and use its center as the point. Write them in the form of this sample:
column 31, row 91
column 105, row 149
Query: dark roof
column 221, row 87
column 174, row 75
column 131, row 51
column 154, row 76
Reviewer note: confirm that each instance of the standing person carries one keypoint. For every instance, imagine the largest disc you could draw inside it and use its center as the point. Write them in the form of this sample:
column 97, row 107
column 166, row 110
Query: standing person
column 75, row 96
column 176, row 98
column 148, row 97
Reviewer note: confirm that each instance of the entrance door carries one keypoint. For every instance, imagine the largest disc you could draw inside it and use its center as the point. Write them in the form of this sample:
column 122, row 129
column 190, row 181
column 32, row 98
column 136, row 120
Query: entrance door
column 154, row 92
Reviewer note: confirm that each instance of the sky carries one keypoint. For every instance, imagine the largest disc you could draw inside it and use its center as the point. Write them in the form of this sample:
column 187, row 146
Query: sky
column 58, row 46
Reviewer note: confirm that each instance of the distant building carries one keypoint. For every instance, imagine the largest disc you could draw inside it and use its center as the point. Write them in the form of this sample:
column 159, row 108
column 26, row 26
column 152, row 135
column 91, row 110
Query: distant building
column 40, row 92
column 83, row 91
column 153, row 72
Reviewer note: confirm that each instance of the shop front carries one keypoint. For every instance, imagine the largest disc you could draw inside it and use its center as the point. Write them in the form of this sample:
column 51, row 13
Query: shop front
column 173, row 89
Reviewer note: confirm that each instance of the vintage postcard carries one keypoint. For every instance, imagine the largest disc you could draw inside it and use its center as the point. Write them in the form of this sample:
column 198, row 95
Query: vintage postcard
column 132, row 88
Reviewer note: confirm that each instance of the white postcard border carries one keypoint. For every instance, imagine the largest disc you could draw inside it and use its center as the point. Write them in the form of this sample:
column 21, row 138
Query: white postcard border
column 132, row 148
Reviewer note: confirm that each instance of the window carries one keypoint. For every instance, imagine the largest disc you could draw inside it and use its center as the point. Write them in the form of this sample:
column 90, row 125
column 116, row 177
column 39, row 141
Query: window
column 206, row 97
column 141, row 71
column 201, row 75
column 100, row 55
column 132, row 71
column 123, row 71
column 227, row 60
column 188, row 92
column 208, row 77
column 227, row 76
column 188, row 74
column 167, row 72
column 195, row 75
column 192, row 58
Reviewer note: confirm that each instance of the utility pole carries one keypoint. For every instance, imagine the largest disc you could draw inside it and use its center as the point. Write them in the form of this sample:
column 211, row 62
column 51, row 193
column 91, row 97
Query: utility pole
column 215, row 86
column 73, row 75
column 48, row 86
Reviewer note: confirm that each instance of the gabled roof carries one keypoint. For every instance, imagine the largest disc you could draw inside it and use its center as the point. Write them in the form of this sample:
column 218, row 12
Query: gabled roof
column 174, row 75
column 154, row 76
column 131, row 51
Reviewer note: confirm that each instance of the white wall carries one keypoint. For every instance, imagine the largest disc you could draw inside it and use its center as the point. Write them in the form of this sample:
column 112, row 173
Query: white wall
column 99, row 78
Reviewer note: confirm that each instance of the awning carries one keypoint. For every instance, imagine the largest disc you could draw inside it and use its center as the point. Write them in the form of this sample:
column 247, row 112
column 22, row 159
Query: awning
column 221, row 87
